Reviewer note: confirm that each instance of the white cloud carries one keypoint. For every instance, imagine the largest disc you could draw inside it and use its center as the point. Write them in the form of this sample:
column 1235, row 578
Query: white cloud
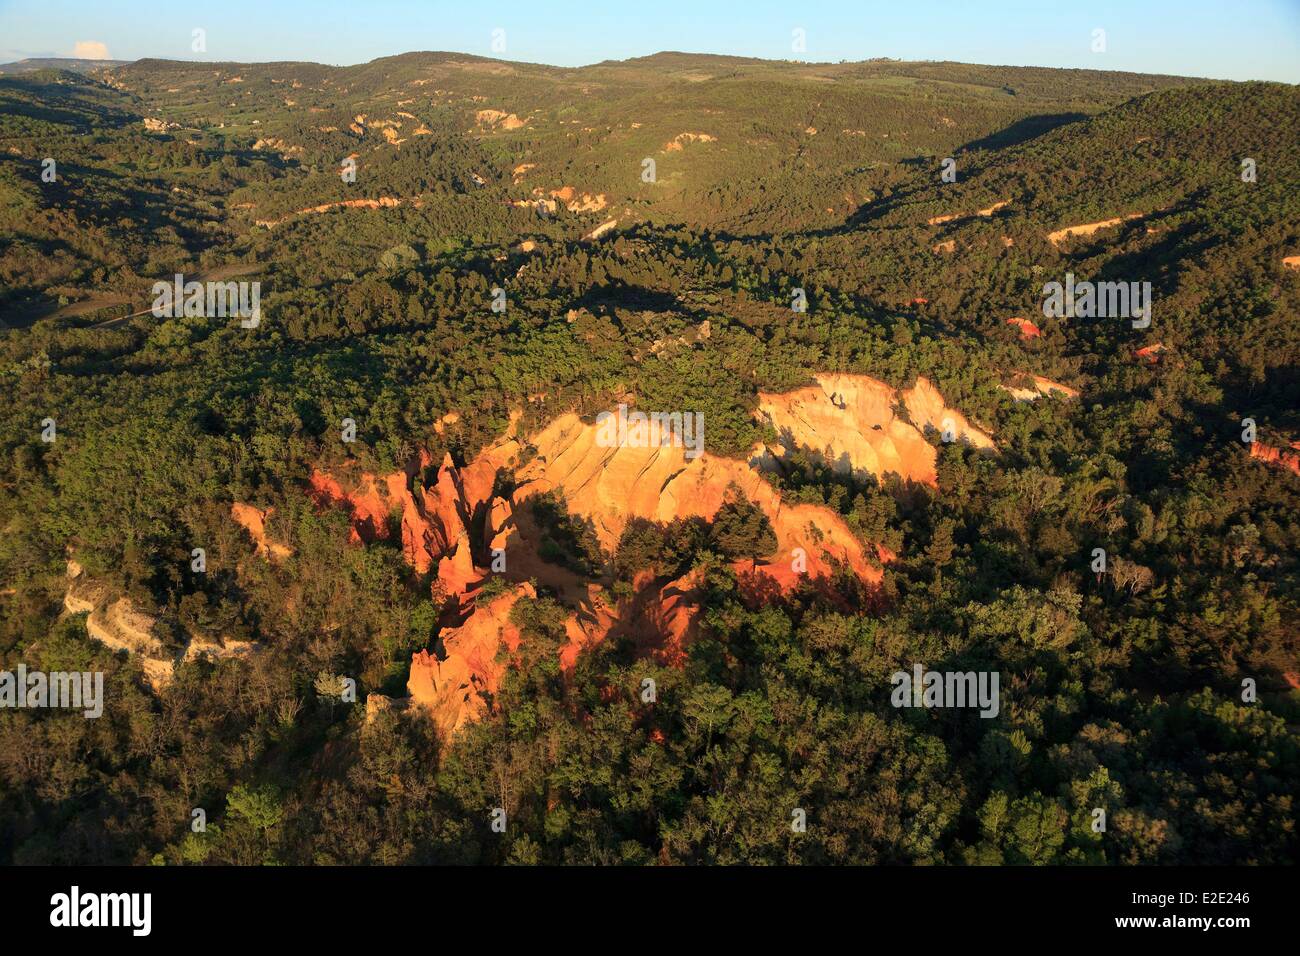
column 90, row 50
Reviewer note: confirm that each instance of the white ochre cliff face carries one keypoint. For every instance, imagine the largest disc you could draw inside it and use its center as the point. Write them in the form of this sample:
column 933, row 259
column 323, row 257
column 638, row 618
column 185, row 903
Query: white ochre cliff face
column 860, row 424
column 115, row 622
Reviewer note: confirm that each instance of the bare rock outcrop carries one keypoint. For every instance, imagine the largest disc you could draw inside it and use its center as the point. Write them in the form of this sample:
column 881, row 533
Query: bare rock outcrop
column 1028, row 330
column 119, row 625
column 451, row 689
column 1151, row 353
column 859, row 424
column 952, row 217
column 498, row 119
column 253, row 520
column 1088, row 228
column 436, row 520
column 681, row 140
column 600, row 231
column 1027, row 387
column 608, row 484
column 382, row 202
column 579, row 202
column 1288, row 458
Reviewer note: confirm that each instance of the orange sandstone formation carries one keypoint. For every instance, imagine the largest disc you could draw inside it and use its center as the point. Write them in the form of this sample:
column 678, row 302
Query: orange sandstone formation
column 662, row 619
column 574, row 202
column 854, row 423
column 940, row 220
column 610, row 484
column 1277, row 456
column 368, row 506
column 383, row 202
column 451, row 689
column 435, row 527
column 601, row 230
column 253, row 521
column 1027, row 329
column 681, row 139
column 493, row 118
column 1088, row 228
column 1037, row 387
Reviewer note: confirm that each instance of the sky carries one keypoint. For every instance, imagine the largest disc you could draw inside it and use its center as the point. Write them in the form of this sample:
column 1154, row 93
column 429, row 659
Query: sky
column 1223, row 39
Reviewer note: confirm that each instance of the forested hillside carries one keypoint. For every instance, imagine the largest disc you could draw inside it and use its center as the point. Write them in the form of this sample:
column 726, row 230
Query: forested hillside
column 1121, row 689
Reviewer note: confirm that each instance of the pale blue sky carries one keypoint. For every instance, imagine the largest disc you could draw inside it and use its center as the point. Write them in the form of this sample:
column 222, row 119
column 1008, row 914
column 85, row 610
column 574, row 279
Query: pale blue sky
column 1229, row 39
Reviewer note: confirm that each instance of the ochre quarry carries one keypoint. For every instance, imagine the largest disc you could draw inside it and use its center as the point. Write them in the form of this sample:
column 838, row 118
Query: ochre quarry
column 612, row 485
column 451, row 690
column 383, row 202
column 1151, row 353
column 1287, row 458
column 436, row 526
column 119, row 625
column 1028, row 330
column 1027, row 387
column 861, row 425
column 951, row 217
column 1088, row 228
column 452, row 526
column 253, row 520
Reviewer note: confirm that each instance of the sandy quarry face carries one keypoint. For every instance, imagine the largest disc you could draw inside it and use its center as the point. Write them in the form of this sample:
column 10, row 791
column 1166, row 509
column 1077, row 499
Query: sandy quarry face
column 860, row 424
column 612, row 485
column 1288, row 458
column 449, row 690
column 609, row 486
column 495, row 118
column 383, row 202
column 950, row 217
column 603, row 229
column 120, row 626
column 578, row 202
column 1028, row 330
column 685, row 139
column 1029, row 388
column 1151, row 352
column 253, row 520
column 1088, row 228
column 435, row 526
